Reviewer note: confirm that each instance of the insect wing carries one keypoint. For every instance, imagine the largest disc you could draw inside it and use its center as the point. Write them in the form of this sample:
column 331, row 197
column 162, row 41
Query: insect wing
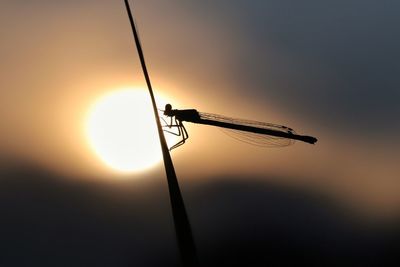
column 256, row 139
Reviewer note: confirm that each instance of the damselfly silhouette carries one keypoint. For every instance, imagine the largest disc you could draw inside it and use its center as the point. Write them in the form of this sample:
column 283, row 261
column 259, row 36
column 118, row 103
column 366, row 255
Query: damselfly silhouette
column 252, row 132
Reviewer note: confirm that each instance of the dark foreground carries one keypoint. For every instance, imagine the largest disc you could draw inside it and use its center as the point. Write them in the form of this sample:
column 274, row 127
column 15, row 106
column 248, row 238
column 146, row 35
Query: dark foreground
column 51, row 221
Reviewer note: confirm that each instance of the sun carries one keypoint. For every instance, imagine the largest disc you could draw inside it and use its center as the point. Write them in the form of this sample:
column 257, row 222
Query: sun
column 122, row 132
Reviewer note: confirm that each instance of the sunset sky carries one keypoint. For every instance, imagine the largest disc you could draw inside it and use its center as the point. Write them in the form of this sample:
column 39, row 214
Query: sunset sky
column 329, row 70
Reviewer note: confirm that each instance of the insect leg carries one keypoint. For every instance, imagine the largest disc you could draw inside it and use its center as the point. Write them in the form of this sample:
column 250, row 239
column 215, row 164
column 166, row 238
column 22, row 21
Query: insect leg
column 177, row 125
column 183, row 132
column 165, row 122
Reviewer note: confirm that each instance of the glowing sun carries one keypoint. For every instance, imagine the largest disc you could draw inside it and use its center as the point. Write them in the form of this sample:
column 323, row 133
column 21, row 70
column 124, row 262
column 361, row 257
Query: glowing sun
column 122, row 131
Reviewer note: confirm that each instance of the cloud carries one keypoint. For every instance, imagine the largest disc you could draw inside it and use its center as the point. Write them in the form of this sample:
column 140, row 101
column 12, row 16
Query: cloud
column 48, row 219
column 334, row 62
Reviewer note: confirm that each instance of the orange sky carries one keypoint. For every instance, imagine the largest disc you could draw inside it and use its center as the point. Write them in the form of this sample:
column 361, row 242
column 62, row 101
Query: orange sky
column 55, row 59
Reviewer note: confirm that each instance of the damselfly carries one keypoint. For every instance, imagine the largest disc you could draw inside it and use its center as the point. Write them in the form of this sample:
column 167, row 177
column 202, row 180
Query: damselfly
column 252, row 132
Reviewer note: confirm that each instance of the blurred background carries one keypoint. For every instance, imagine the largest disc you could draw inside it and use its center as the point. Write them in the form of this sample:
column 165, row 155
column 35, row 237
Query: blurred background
column 325, row 69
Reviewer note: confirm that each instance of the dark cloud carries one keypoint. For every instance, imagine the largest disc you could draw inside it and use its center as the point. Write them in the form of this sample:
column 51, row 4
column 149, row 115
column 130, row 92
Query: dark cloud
column 336, row 62
column 49, row 220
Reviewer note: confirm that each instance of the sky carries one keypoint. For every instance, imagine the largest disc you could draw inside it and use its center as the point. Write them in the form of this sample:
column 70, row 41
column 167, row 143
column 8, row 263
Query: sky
column 328, row 70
